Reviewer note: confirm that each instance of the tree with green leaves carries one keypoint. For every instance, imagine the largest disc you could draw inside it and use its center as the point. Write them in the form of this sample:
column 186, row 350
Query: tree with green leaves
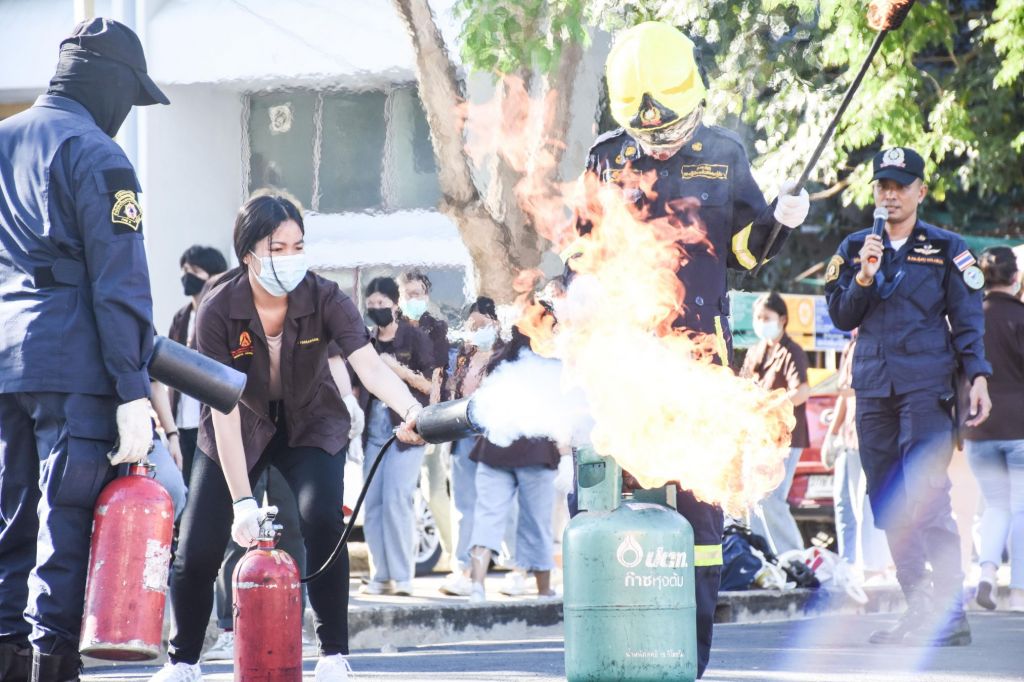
column 949, row 82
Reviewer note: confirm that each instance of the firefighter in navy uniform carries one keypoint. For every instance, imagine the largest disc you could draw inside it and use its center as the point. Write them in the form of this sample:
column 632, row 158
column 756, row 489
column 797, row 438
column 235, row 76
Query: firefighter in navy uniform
column 915, row 295
column 76, row 315
column 656, row 94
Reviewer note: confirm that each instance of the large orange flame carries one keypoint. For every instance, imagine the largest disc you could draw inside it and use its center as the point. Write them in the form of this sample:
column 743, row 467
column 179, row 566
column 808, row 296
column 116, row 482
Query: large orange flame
column 662, row 407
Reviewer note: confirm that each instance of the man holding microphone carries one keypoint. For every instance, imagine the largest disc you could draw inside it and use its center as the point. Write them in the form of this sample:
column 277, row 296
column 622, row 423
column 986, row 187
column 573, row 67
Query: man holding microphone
column 914, row 292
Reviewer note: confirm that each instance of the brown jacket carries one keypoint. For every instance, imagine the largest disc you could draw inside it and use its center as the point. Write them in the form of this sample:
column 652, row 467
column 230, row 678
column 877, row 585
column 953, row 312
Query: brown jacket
column 229, row 330
column 786, row 368
column 179, row 332
column 1004, row 348
column 412, row 348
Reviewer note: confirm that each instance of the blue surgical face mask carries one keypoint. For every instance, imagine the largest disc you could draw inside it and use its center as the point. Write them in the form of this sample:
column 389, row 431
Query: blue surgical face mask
column 767, row 331
column 484, row 338
column 279, row 275
column 414, row 308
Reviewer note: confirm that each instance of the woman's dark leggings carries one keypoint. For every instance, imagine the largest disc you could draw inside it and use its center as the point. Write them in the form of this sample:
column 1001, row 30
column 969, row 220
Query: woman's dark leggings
column 316, row 479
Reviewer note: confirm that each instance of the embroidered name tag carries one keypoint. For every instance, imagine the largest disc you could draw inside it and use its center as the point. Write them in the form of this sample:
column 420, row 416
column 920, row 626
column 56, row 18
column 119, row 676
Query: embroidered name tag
column 709, row 171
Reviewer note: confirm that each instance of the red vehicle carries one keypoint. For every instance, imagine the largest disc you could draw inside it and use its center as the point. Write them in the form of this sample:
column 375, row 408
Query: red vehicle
column 810, row 496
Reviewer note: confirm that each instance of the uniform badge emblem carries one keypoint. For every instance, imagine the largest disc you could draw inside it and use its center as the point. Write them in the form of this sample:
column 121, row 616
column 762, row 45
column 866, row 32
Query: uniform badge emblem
column 974, row 277
column 832, row 272
column 126, row 210
column 894, row 157
column 963, row 260
column 926, row 250
column 630, row 152
column 244, row 346
column 697, row 146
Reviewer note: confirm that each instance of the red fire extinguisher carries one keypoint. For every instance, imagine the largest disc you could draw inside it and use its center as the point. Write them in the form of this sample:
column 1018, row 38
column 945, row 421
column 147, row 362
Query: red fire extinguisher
column 128, row 564
column 268, row 611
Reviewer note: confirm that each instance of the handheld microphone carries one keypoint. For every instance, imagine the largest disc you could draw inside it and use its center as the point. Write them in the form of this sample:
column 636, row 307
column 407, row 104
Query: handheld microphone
column 881, row 215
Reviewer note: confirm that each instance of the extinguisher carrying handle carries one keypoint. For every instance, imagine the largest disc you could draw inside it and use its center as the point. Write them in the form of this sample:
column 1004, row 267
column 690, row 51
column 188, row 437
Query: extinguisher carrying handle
column 268, row 529
column 355, row 514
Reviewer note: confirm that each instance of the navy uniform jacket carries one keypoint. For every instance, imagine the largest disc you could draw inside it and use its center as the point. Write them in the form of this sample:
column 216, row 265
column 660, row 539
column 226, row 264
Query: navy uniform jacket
column 75, row 307
column 712, row 170
column 912, row 340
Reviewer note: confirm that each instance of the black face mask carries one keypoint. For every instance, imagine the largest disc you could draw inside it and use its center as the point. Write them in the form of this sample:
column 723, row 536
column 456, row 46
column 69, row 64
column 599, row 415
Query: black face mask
column 192, row 284
column 106, row 88
column 381, row 317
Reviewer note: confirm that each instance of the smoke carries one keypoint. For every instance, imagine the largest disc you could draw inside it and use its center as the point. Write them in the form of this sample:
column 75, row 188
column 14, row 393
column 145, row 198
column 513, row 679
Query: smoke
column 528, row 398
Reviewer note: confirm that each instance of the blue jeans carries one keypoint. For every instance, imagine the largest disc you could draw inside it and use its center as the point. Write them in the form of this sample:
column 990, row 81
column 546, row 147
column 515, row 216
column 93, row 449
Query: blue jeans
column 169, row 476
column 463, row 499
column 779, row 526
column 860, row 543
column 496, row 488
column 999, row 467
column 390, row 523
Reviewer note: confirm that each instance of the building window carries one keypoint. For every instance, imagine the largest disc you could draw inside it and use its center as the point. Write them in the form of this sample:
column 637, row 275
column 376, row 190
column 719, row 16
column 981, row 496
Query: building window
column 341, row 151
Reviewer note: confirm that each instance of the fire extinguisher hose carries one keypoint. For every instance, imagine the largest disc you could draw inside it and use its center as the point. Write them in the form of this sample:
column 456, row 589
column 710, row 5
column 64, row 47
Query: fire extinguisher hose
column 355, row 513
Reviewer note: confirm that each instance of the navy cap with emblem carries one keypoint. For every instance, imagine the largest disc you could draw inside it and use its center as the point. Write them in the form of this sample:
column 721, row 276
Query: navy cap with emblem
column 901, row 164
column 113, row 40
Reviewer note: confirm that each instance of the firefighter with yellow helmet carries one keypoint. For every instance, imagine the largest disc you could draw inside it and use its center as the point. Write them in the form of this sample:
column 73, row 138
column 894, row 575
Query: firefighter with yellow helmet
column 657, row 95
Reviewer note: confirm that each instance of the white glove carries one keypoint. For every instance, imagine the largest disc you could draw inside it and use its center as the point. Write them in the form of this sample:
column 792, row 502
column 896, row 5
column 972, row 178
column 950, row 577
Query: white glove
column 134, row 431
column 246, row 526
column 356, row 416
column 354, row 453
column 792, row 210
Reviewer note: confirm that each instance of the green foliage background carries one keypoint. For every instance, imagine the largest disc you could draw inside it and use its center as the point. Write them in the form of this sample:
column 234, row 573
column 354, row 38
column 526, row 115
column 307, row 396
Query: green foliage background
column 949, row 83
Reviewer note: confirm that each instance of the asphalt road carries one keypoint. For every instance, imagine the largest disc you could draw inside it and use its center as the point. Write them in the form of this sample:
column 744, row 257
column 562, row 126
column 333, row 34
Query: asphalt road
column 831, row 649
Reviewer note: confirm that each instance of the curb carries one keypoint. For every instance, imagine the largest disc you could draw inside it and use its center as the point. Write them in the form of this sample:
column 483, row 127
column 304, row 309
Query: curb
column 389, row 627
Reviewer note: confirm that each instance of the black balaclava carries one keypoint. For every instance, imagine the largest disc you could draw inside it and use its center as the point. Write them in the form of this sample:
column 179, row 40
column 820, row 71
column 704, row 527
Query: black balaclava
column 106, row 88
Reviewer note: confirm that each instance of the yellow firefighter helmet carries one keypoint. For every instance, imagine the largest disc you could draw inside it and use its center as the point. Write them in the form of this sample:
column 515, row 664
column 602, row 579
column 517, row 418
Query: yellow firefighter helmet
column 653, row 79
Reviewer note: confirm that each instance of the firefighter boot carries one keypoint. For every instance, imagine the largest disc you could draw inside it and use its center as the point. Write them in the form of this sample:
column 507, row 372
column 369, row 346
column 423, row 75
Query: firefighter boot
column 55, row 667
column 15, row 661
column 917, row 616
column 951, row 630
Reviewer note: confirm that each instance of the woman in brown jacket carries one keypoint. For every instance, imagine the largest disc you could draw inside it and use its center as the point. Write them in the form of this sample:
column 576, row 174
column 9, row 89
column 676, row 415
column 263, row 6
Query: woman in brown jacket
column 273, row 321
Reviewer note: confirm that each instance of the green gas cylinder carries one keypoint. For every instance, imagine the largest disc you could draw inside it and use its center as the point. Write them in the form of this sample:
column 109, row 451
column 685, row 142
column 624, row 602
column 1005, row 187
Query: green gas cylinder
column 629, row 605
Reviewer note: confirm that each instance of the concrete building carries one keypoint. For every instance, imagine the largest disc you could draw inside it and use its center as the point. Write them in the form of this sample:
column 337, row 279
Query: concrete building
column 317, row 96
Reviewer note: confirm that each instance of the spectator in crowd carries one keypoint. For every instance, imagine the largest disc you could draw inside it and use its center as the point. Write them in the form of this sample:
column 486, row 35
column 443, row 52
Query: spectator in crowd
column 777, row 362
column 860, row 543
column 198, row 265
column 416, row 307
column 995, row 449
column 524, row 471
column 482, row 340
column 389, row 522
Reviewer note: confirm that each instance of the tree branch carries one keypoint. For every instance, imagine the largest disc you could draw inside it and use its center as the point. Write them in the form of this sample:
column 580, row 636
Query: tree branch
column 440, row 93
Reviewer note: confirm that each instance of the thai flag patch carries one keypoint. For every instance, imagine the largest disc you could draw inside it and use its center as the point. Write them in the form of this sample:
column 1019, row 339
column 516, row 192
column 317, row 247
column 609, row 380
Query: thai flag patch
column 964, row 260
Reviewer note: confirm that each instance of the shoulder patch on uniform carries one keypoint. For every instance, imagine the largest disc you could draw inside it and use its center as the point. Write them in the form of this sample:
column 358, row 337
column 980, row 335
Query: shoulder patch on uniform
column 709, row 171
column 964, row 260
column 727, row 134
column 125, row 210
column 832, row 271
column 604, row 137
column 974, row 277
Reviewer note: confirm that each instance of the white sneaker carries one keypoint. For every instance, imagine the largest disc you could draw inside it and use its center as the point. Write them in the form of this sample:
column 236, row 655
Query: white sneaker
column 223, row 649
column 457, row 585
column 514, row 584
column 333, row 668
column 178, row 672
column 403, row 588
column 376, row 587
column 477, row 594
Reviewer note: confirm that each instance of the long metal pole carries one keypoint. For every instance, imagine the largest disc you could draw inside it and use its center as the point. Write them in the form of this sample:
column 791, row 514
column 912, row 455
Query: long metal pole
column 825, row 138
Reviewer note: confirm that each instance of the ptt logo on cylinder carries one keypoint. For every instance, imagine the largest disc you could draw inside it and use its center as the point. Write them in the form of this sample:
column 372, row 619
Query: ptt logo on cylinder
column 630, row 554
